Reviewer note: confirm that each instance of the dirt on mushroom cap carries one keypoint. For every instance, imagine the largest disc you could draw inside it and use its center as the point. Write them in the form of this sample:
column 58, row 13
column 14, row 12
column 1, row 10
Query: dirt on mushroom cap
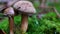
column 24, row 6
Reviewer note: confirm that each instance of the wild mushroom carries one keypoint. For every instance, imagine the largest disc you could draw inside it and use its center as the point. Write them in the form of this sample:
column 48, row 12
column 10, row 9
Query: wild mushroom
column 25, row 7
column 10, row 13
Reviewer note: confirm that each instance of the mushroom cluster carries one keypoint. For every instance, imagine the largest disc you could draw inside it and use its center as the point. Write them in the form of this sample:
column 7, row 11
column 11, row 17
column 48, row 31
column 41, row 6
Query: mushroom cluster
column 23, row 7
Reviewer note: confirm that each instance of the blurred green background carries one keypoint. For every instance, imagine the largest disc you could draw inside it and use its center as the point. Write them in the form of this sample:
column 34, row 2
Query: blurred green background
column 48, row 23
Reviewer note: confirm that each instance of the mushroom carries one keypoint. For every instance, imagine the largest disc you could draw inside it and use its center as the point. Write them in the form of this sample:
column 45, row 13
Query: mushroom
column 25, row 8
column 10, row 13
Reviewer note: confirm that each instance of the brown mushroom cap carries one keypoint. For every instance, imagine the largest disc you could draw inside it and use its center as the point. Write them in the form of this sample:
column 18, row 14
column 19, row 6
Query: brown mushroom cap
column 9, row 11
column 24, row 7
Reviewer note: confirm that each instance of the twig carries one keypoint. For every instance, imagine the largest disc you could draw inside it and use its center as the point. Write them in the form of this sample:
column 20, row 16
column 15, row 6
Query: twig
column 54, row 9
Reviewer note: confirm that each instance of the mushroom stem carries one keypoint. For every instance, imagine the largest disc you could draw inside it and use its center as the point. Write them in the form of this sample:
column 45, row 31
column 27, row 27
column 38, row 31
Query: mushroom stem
column 24, row 23
column 11, row 24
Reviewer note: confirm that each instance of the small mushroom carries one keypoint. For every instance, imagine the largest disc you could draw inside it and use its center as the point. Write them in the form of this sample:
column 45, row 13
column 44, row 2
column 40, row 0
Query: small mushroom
column 10, row 13
column 25, row 7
